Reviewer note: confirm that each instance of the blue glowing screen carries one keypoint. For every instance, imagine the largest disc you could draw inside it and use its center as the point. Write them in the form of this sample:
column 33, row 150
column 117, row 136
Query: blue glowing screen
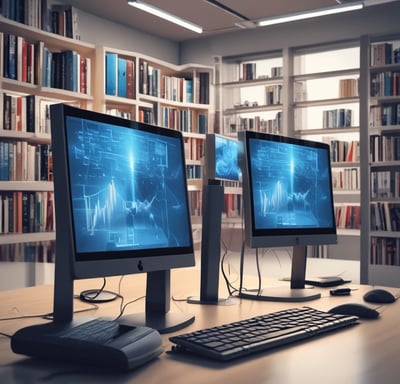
column 226, row 159
column 128, row 188
column 290, row 185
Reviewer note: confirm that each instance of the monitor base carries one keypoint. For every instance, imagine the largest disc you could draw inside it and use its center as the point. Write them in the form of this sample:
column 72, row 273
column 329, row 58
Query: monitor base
column 97, row 296
column 281, row 294
column 227, row 301
column 162, row 322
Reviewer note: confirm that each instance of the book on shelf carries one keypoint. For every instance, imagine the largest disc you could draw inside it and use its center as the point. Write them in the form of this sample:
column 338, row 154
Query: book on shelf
column 346, row 179
column 385, row 114
column 204, row 88
column 384, row 147
column 348, row 216
column 119, row 76
column 64, row 20
column 248, row 71
column 337, row 118
column 385, row 216
column 34, row 13
column 385, row 251
column 111, row 73
column 386, row 83
column 348, row 88
column 21, row 161
column 42, row 252
column 384, row 53
column 273, row 94
column 27, row 211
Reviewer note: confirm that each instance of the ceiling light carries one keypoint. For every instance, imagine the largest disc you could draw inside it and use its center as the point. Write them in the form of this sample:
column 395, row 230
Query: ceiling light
column 310, row 14
column 165, row 15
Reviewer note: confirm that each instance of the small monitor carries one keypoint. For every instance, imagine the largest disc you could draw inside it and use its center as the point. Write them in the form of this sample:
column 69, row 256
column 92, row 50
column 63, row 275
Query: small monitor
column 221, row 158
column 288, row 199
column 121, row 207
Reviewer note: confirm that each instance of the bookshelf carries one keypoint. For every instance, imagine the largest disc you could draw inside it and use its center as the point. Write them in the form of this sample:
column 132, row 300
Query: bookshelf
column 27, row 219
column 251, row 93
column 25, row 125
column 325, row 107
column 380, row 247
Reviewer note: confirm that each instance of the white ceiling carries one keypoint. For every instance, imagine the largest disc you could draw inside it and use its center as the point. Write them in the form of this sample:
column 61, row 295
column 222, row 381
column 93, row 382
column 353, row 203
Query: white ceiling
column 213, row 20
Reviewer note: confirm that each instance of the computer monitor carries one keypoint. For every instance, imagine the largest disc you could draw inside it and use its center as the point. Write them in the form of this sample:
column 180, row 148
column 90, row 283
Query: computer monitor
column 221, row 164
column 121, row 208
column 288, row 201
column 221, row 158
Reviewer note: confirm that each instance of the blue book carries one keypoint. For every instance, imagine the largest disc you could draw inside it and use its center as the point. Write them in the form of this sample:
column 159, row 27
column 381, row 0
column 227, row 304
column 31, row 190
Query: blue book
column 189, row 91
column 202, row 124
column 121, row 77
column 111, row 73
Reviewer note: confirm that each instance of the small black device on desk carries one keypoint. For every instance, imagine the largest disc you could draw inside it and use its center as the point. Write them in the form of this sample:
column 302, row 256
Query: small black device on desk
column 105, row 344
column 340, row 292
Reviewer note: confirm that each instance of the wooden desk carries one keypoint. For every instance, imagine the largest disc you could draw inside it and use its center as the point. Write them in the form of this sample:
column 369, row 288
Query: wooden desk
column 366, row 353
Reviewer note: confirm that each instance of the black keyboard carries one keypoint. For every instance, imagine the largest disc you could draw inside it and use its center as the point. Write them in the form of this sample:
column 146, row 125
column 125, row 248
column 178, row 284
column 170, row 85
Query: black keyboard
column 260, row 333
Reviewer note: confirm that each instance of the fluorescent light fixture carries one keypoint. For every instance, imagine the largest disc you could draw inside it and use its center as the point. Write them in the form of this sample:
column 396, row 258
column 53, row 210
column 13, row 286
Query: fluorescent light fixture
column 165, row 15
column 310, row 14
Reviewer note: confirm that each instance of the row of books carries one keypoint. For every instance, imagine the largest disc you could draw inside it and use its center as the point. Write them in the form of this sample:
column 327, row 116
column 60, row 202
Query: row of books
column 385, row 114
column 19, row 113
column 233, row 205
column 385, row 216
column 273, row 94
column 234, row 124
column 346, row 179
column 26, row 113
column 20, row 59
column 337, row 118
column 385, row 251
column 117, row 112
column 384, row 147
column 146, row 115
column 154, row 83
column 181, row 89
column 347, row 216
column 194, row 148
column 21, row 161
column 385, row 84
column 58, row 18
column 185, row 120
column 343, row 151
column 26, row 212
column 120, row 76
column 384, row 53
column 385, row 184
column 248, row 71
column 194, row 171
column 43, row 252
column 348, row 87
column 66, row 70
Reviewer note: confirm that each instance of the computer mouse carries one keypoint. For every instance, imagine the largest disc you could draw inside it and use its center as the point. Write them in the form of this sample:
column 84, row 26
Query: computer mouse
column 355, row 309
column 380, row 296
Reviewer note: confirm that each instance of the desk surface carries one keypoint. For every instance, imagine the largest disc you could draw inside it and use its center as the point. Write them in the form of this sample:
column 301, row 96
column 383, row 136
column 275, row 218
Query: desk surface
column 366, row 353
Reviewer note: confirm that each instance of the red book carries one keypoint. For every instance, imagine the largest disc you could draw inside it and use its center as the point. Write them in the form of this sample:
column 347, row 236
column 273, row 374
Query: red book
column 130, row 79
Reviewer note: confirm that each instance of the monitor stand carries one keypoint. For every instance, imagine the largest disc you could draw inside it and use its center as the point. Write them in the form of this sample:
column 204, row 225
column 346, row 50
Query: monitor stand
column 157, row 313
column 297, row 292
column 213, row 202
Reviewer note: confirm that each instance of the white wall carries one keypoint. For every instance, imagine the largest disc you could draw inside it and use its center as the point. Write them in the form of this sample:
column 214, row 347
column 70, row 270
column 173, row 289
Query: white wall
column 103, row 32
